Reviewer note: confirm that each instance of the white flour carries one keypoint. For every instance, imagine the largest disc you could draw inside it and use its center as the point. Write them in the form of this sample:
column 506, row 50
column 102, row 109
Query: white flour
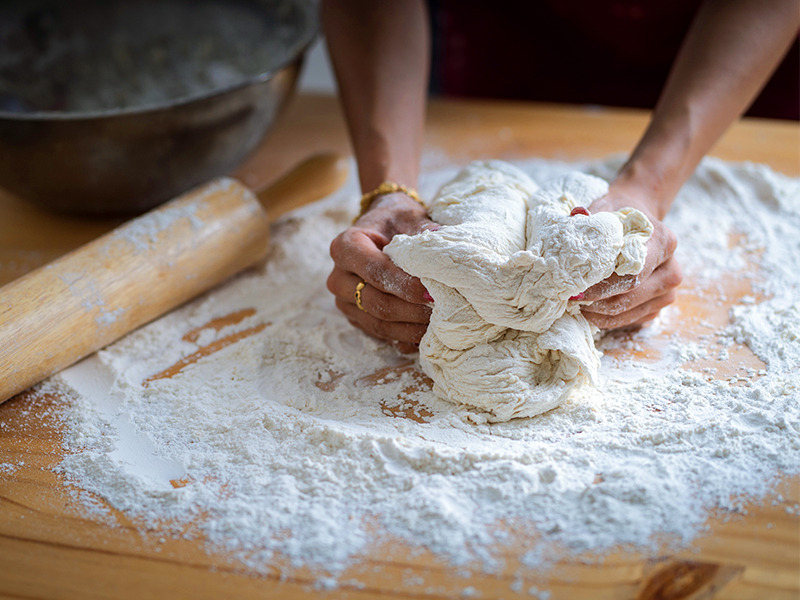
column 286, row 442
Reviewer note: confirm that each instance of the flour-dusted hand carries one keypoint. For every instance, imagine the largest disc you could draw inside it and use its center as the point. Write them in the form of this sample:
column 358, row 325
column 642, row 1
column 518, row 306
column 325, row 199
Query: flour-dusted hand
column 394, row 306
column 633, row 300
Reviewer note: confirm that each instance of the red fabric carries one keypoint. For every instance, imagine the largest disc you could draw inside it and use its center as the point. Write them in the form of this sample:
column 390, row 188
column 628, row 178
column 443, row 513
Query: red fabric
column 610, row 52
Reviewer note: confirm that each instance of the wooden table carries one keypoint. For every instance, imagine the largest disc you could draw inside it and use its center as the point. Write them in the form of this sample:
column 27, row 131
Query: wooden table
column 47, row 552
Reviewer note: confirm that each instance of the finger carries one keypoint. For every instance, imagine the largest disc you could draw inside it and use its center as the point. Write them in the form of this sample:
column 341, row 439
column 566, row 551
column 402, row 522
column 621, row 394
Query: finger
column 666, row 277
column 644, row 322
column 403, row 347
column 637, row 315
column 647, row 319
column 612, row 285
column 410, row 333
column 660, row 249
column 638, row 325
column 358, row 252
column 377, row 303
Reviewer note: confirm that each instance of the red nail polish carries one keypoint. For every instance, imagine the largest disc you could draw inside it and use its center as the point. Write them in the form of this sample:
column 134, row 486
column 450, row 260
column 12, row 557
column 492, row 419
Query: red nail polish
column 427, row 297
column 578, row 297
column 579, row 210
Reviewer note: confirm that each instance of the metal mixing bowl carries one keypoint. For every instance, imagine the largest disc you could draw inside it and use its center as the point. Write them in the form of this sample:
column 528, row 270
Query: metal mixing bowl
column 114, row 106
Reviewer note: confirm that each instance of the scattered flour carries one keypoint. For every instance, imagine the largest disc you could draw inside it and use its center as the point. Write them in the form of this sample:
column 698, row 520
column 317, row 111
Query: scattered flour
column 287, row 442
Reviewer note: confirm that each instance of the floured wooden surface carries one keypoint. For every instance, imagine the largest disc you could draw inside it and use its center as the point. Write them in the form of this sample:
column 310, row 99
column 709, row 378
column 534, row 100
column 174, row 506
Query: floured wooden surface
column 746, row 556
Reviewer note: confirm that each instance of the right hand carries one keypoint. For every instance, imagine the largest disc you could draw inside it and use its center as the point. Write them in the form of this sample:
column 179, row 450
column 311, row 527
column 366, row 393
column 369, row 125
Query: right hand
column 631, row 301
column 396, row 305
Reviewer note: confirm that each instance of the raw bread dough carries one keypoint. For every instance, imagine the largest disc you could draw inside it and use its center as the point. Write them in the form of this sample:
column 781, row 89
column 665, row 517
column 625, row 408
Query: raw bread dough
column 504, row 336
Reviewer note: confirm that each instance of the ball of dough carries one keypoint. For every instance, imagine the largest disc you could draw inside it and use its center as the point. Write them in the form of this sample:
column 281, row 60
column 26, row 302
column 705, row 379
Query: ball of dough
column 504, row 337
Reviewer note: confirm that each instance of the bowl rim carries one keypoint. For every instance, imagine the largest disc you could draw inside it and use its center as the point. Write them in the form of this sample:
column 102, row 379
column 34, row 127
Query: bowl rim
column 304, row 40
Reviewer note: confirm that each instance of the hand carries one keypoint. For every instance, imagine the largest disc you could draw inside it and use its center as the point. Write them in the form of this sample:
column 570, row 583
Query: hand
column 396, row 305
column 634, row 300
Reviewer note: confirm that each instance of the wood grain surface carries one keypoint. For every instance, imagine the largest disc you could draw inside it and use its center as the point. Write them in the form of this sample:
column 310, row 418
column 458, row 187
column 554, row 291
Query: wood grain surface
column 48, row 549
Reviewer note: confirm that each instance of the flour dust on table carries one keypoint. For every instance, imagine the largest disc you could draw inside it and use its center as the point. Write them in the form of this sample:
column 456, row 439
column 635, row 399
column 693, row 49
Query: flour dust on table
column 290, row 438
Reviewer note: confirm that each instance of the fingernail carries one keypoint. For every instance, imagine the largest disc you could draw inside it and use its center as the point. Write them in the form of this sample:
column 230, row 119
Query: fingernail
column 578, row 297
column 427, row 297
column 579, row 210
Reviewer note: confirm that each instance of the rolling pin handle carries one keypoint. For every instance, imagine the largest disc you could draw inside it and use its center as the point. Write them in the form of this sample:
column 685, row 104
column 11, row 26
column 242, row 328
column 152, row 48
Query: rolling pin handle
column 316, row 177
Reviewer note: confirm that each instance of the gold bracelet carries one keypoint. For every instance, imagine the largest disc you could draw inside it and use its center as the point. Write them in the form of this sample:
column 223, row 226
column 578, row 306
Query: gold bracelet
column 387, row 187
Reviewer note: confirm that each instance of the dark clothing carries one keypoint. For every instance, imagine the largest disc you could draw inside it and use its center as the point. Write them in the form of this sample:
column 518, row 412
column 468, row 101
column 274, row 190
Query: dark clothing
column 609, row 52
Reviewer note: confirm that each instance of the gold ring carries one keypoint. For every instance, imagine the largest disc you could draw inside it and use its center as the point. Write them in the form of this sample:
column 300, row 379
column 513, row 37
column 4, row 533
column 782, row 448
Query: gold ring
column 361, row 285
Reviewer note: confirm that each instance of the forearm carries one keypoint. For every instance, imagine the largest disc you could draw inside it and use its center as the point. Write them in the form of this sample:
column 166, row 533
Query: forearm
column 380, row 52
column 729, row 53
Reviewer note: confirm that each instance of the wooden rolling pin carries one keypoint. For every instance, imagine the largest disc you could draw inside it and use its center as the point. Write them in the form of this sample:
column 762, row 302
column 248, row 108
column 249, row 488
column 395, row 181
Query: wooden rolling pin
column 83, row 301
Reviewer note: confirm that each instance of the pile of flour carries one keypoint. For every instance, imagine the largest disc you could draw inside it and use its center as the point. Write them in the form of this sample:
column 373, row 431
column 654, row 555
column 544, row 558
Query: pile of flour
column 290, row 443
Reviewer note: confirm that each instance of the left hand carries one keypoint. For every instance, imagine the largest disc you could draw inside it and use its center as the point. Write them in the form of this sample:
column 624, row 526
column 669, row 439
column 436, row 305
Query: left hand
column 395, row 306
column 634, row 300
